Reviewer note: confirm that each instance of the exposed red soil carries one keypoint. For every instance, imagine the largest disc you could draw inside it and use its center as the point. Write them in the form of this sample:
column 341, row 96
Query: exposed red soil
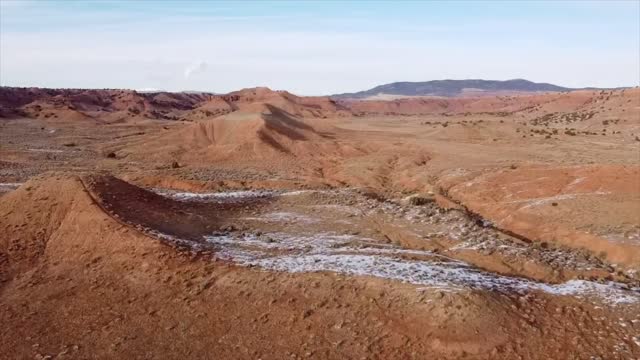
column 90, row 266
column 127, row 105
column 92, row 285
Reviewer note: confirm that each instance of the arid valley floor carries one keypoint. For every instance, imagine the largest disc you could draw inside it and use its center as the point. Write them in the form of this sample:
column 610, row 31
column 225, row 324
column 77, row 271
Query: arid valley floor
column 263, row 225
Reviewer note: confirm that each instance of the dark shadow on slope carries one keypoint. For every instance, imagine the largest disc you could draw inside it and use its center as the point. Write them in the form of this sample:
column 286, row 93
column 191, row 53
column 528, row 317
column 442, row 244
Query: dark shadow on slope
column 287, row 124
column 285, row 118
column 142, row 208
column 269, row 140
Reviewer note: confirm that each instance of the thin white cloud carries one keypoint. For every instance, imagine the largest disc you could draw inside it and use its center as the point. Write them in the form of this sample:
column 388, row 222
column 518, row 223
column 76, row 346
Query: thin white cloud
column 195, row 68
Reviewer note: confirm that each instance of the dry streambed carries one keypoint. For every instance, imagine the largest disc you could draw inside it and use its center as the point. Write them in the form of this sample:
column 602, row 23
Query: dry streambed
column 308, row 232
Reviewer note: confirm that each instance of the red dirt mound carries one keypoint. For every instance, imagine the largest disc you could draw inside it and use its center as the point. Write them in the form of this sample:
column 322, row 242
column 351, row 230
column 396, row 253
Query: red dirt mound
column 58, row 215
column 55, row 217
column 273, row 134
column 259, row 99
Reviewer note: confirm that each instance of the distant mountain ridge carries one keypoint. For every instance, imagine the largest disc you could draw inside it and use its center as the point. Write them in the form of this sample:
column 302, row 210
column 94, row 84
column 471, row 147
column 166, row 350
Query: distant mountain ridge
column 453, row 88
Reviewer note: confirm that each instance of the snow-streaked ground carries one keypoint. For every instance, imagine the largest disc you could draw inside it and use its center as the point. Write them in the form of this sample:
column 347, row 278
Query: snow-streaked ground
column 358, row 256
column 307, row 251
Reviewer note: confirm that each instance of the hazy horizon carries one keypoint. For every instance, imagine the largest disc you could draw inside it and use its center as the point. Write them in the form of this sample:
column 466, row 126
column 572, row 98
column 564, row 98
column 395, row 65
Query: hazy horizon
column 315, row 48
column 152, row 90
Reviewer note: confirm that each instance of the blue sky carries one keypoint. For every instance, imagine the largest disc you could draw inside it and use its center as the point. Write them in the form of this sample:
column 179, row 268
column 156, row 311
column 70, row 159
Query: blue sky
column 315, row 48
